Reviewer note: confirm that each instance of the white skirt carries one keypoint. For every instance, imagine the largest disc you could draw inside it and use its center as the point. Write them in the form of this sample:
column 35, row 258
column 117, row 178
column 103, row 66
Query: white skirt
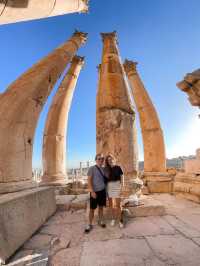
column 114, row 189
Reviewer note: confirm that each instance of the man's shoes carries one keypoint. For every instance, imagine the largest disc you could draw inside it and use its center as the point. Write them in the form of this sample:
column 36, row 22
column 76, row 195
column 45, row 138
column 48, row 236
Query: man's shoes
column 88, row 228
column 102, row 224
column 112, row 223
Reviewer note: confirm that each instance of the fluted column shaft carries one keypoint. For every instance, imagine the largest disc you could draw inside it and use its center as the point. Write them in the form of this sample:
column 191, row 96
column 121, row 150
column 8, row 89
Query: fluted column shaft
column 115, row 115
column 54, row 140
column 20, row 107
column 153, row 140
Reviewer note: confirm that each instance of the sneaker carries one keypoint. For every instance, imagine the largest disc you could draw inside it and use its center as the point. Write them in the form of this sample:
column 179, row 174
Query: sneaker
column 121, row 225
column 88, row 228
column 112, row 223
column 102, row 224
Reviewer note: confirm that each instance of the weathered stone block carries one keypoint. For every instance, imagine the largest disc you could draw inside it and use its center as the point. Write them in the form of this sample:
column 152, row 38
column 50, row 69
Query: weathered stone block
column 158, row 182
column 148, row 207
column 67, row 202
column 187, row 186
column 21, row 214
column 159, row 187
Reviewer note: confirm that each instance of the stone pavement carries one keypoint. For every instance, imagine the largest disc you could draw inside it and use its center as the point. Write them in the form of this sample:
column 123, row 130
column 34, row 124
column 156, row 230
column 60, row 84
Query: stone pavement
column 172, row 239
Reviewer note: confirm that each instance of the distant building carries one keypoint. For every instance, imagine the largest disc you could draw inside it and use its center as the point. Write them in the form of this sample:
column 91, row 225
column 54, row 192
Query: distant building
column 177, row 163
column 192, row 165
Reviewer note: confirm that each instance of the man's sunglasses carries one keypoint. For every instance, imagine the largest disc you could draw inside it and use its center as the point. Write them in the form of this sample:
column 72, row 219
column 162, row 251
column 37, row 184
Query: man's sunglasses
column 100, row 159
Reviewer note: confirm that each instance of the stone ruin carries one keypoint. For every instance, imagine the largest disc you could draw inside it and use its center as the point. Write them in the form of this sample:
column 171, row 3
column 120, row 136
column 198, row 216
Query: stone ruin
column 24, row 210
column 115, row 115
column 191, row 86
column 25, row 206
column 187, row 183
column 23, row 10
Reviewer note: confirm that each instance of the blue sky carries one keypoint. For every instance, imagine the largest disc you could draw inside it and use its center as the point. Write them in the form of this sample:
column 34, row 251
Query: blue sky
column 163, row 36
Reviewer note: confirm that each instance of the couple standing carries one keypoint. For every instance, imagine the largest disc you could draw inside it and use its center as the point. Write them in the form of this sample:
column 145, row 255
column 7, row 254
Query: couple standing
column 104, row 180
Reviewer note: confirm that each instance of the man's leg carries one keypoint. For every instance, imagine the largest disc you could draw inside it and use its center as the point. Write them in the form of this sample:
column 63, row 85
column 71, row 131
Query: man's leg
column 93, row 206
column 101, row 221
column 100, row 213
column 91, row 216
column 101, row 199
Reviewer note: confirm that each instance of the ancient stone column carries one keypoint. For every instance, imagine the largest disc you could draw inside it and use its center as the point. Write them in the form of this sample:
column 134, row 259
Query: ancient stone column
column 153, row 140
column 54, row 140
column 20, row 107
column 15, row 10
column 115, row 115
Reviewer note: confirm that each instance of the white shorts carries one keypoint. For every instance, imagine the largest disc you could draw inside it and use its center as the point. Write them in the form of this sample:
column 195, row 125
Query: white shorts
column 114, row 189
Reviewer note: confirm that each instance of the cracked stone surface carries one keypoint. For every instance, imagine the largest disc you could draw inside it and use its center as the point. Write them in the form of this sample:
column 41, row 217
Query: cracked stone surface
column 172, row 239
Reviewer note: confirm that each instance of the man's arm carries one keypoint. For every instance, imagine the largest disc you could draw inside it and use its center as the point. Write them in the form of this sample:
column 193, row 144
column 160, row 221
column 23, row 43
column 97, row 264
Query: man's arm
column 90, row 184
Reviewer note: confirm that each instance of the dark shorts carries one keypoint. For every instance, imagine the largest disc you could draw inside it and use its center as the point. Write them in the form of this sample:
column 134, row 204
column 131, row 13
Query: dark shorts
column 99, row 201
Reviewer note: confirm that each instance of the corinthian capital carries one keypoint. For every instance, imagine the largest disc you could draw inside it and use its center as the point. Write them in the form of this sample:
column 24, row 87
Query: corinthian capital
column 81, row 35
column 109, row 35
column 78, row 59
column 130, row 67
column 86, row 6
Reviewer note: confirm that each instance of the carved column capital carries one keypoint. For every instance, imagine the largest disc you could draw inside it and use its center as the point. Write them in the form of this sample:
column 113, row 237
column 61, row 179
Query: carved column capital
column 130, row 67
column 81, row 35
column 78, row 60
column 86, row 6
column 109, row 35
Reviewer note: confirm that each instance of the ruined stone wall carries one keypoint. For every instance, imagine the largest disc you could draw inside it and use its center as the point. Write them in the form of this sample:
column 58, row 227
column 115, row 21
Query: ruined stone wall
column 193, row 165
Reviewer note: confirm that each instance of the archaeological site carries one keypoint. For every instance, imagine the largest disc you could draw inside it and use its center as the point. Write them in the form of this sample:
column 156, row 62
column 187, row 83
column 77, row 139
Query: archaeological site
column 78, row 79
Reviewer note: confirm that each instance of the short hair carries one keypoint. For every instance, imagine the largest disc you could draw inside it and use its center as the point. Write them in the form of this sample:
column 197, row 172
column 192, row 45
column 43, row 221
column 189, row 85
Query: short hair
column 97, row 155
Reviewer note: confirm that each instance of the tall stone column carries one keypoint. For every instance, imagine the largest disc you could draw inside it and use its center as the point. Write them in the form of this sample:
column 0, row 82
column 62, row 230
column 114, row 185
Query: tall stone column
column 54, row 140
column 153, row 140
column 20, row 107
column 115, row 115
column 22, row 10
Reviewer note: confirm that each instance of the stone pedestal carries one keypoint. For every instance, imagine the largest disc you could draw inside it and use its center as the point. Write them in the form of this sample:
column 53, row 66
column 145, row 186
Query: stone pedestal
column 147, row 207
column 55, row 133
column 21, row 214
column 20, row 108
column 158, row 182
column 187, row 186
column 17, row 186
column 115, row 115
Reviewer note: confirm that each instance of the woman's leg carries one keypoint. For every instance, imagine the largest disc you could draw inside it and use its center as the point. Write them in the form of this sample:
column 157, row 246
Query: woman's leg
column 118, row 209
column 110, row 200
